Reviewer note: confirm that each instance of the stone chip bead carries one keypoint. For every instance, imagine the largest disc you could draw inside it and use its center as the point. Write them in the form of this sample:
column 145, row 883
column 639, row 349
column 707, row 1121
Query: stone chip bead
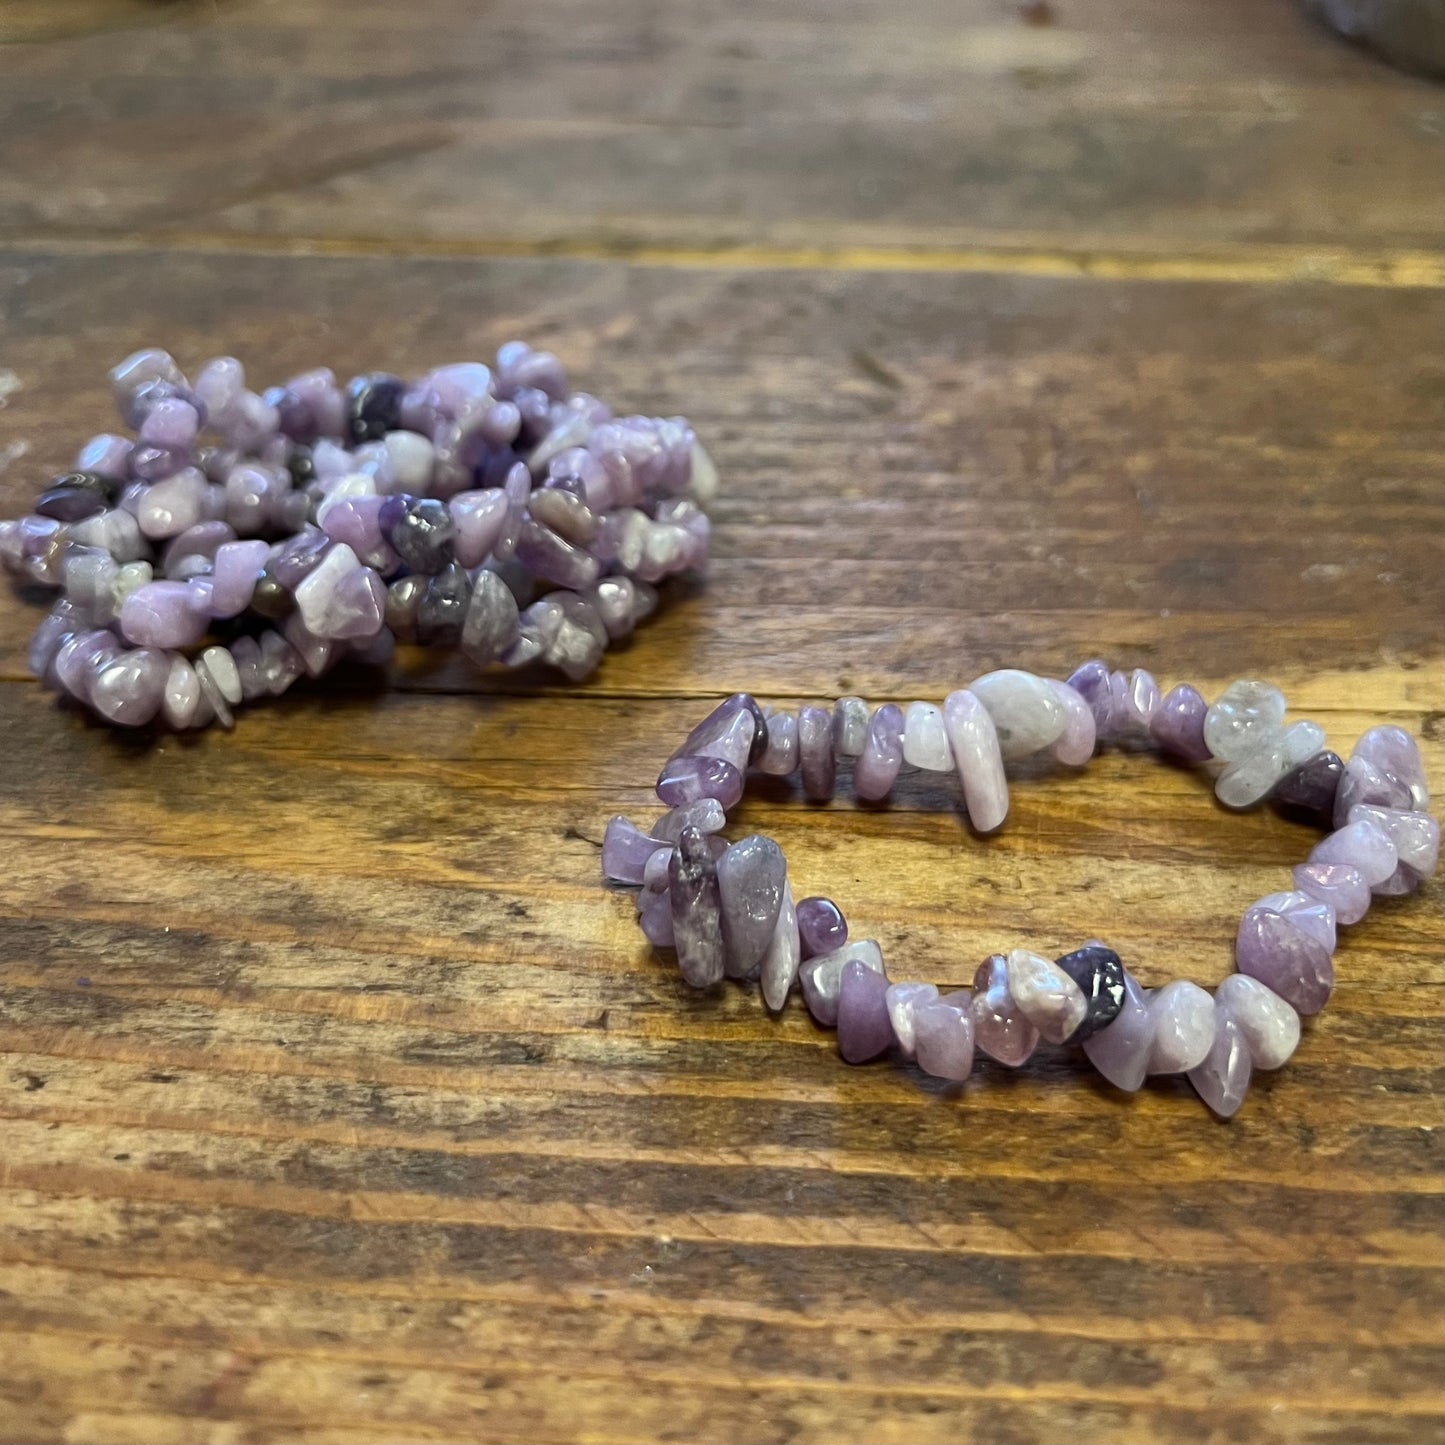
column 1121, row 1051
column 1271, row 1028
column 1291, row 960
column 1250, row 779
column 821, row 926
column 1245, row 715
column 783, row 955
column 925, row 740
column 1362, row 844
column 943, row 1039
column 903, row 1000
column 1178, row 724
column 1416, row 837
column 876, row 767
column 822, row 976
column 976, row 754
column 1222, row 1077
column 1308, row 790
column 815, row 753
column 686, row 780
column 1395, row 757
column 850, row 726
column 1075, row 745
column 1342, row 887
column 1051, row 1001
column 1000, row 1027
column 696, row 905
column 1099, row 974
column 780, row 756
column 751, row 876
column 1027, row 714
column 1182, row 1015
column 864, row 1027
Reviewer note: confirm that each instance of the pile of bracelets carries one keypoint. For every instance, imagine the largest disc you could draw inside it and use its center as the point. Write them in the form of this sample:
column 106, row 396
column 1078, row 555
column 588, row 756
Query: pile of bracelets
column 727, row 910
column 241, row 540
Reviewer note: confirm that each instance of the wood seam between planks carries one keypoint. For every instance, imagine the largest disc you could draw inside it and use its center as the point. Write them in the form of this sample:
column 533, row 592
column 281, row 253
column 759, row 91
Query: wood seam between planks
column 1272, row 265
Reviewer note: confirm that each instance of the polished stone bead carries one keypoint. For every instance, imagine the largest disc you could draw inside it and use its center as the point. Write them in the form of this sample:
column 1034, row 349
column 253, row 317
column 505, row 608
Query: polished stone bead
column 537, row 629
column 1416, row 836
column 751, row 876
column 554, row 559
column 1121, row 1051
column 727, row 732
column 59, row 625
column 780, row 756
column 616, row 599
column 420, row 530
column 1222, row 1078
column 163, row 614
column 706, row 815
column 81, row 657
column 246, row 653
column 1341, row 886
column 1178, row 724
column 685, row 780
column 781, row 959
column 479, row 518
column 822, row 976
column 976, row 754
column 130, row 688
column 1362, row 783
column 138, row 371
column 1395, row 756
column 316, row 653
column 1250, row 779
column 222, row 670
column 107, row 457
column 821, row 926
column 441, row 613
column 876, row 768
column 1135, row 700
column 271, row 600
column 517, row 487
column 68, row 504
column 281, row 664
column 815, row 753
column 1363, row 845
column 297, row 557
column 655, row 917
column 1182, row 1014
column 1306, row 912
column 1308, row 790
column 339, row 598
column 1245, row 715
column 116, row 532
column 692, row 884
column 625, row 850
column 181, row 703
column 491, row 621
column 170, row 506
column 1099, row 973
column 1000, row 1027
column 1051, row 1001
column 1027, row 714
column 850, row 727
column 1091, row 681
column 1286, row 958
column 1075, row 745
column 943, row 1037
column 373, row 406
column 902, row 1000
column 1270, row 1026
column 864, row 1028
column 925, row 741
column 581, row 639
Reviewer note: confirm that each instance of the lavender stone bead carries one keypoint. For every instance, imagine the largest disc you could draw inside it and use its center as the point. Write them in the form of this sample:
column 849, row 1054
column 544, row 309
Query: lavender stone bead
column 780, row 757
column 625, row 850
column 1026, row 712
column 925, row 740
column 1363, row 845
column 692, row 884
column 974, row 742
column 491, row 622
column 1341, row 886
column 686, row 780
column 81, row 657
column 821, row 926
column 655, row 918
column 1308, row 791
column 1285, row 958
column 1178, row 724
column 1416, row 836
column 106, row 455
column 877, row 766
column 864, row 1028
column 751, row 876
column 339, row 598
column 1091, row 681
column 478, row 519
column 1244, row 716
column 1362, row 783
column 163, row 614
column 1183, row 1017
column 815, row 752
column 1395, row 755
column 129, row 690
column 181, row 700
column 1000, row 1027
column 1222, row 1078
column 1121, row 1051
column 903, row 1000
column 822, row 976
column 943, row 1037
column 1307, row 914
column 1270, row 1026
column 783, row 956
column 706, row 815
column 1249, row 780
column 1051, row 1001
column 729, row 732
column 1075, row 745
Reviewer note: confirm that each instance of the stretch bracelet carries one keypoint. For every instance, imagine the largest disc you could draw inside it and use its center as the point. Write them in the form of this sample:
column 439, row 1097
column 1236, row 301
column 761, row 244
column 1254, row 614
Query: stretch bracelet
column 482, row 506
column 728, row 910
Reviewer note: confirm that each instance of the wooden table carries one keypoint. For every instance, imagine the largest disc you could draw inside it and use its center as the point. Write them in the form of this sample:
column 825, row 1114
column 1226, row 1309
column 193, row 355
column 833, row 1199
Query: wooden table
column 340, row 1102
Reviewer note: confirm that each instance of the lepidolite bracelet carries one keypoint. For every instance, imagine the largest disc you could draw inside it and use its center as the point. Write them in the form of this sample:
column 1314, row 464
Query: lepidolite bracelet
column 485, row 506
column 728, row 910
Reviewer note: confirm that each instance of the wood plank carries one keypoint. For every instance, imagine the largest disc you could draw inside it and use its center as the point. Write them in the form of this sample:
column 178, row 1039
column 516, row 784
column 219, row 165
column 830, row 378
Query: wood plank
column 1146, row 127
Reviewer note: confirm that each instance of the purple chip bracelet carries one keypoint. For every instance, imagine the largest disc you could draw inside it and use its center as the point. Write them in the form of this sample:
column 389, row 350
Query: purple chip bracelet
column 728, row 910
column 240, row 540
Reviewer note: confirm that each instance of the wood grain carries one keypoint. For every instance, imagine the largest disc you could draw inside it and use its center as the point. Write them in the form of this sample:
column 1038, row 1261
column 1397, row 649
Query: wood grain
column 339, row 1101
